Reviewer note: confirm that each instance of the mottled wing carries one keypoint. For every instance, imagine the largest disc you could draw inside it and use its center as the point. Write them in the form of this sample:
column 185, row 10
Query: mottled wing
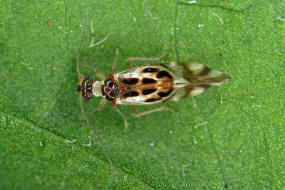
column 150, row 84
column 192, row 79
column 163, row 82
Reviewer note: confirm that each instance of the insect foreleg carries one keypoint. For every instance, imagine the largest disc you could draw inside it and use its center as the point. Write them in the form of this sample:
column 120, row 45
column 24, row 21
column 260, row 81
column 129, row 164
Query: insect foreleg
column 128, row 60
column 100, row 105
column 123, row 116
column 163, row 108
column 98, row 73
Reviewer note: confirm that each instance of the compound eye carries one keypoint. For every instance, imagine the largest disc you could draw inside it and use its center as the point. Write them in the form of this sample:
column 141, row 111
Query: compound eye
column 79, row 88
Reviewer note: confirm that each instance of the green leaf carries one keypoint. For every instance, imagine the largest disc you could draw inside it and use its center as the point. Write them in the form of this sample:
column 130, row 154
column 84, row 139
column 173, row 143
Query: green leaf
column 231, row 137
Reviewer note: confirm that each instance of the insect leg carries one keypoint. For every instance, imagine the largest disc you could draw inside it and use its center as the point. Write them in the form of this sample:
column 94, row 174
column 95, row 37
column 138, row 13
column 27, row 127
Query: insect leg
column 81, row 76
column 114, row 69
column 163, row 108
column 100, row 105
column 128, row 60
column 123, row 116
column 98, row 73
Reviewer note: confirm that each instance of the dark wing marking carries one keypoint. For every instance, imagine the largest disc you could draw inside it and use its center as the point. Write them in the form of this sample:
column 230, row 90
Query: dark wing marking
column 189, row 79
column 192, row 79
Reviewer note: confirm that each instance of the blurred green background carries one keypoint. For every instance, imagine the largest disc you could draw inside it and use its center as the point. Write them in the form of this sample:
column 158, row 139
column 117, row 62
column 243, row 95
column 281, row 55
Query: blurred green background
column 231, row 137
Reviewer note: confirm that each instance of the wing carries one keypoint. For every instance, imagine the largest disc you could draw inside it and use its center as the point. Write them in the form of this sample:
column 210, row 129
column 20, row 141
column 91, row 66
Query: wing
column 163, row 82
column 192, row 79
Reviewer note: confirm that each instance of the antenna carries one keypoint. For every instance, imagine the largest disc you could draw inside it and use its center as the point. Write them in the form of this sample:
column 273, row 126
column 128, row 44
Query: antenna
column 81, row 102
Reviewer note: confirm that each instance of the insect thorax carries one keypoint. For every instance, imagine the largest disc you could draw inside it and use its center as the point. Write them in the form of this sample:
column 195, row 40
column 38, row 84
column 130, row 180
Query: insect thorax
column 110, row 89
column 97, row 88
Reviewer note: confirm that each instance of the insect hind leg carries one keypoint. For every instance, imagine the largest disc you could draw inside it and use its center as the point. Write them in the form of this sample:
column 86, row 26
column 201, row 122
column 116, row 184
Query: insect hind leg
column 163, row 108
column 100, row 106
column 128, row 60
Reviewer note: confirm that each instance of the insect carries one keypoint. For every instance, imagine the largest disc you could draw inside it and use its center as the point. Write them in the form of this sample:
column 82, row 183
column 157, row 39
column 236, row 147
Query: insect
column 145, row 85
column 150, row 84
